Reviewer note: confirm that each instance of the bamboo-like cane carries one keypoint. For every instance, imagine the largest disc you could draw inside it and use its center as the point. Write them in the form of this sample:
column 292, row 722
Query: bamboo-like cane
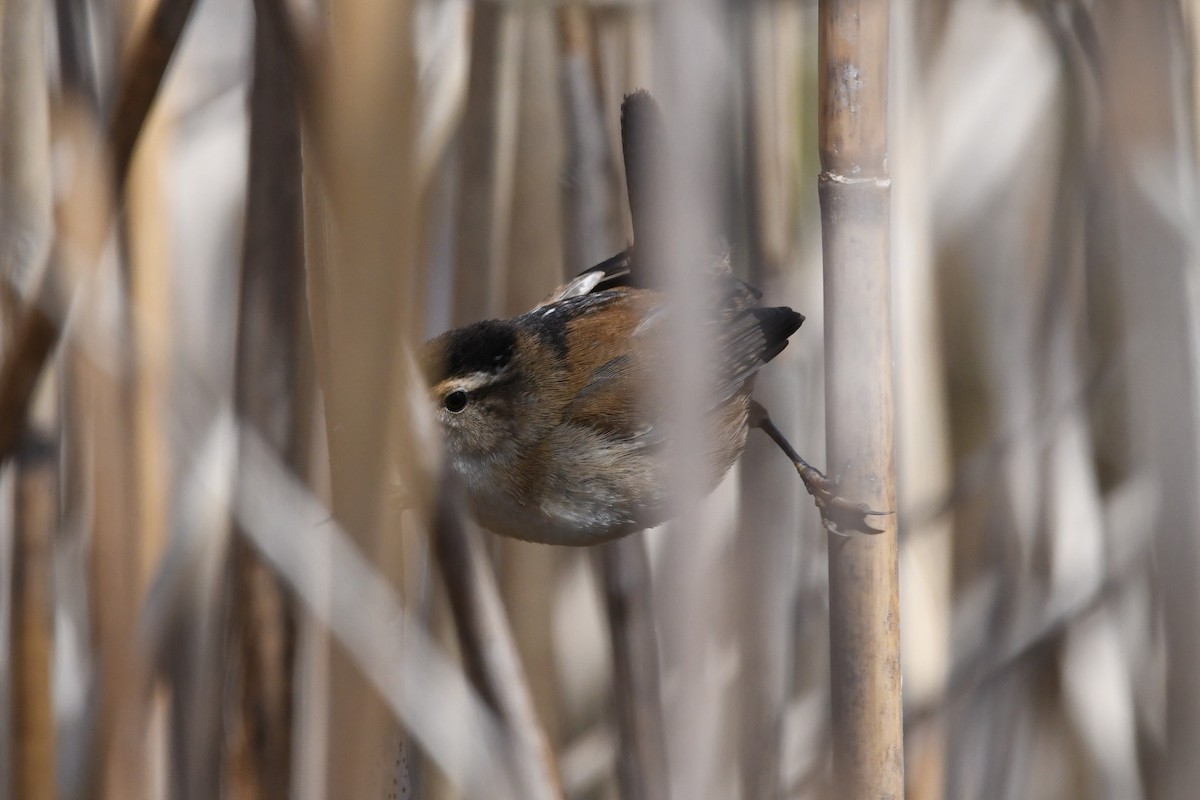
column 864, row 619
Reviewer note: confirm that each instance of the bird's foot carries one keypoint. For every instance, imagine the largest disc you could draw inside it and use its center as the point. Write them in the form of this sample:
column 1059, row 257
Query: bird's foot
column 838, row 515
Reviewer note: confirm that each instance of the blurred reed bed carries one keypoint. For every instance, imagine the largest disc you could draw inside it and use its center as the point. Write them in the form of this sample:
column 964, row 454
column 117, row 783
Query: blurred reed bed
column 224, row 571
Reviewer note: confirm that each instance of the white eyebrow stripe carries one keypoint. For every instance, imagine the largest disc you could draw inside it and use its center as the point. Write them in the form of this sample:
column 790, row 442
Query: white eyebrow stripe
column 471, row 381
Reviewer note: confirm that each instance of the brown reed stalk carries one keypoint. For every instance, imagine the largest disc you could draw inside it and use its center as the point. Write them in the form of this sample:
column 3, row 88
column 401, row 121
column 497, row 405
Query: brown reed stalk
column 26, row 208
column 32, row 626
column 270, row 396
column 854, row 188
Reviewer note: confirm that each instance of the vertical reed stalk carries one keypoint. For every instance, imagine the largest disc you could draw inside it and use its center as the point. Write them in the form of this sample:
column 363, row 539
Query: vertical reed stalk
column 26, row 209
column 863, row 584
column 489, row 132
column 270, row 397
column 32, row 627
column 369, row 299
column 1156, row 249
column 637, row 695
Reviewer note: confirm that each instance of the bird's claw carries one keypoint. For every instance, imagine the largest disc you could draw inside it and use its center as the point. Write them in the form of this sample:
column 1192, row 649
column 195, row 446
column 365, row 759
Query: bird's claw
column 838, row 515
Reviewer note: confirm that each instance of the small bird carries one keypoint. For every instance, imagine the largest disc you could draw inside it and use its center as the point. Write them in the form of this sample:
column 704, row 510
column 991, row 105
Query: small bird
column 549, row 418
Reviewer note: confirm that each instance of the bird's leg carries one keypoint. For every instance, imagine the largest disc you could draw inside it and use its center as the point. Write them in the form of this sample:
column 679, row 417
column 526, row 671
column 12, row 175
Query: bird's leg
column 838, row 515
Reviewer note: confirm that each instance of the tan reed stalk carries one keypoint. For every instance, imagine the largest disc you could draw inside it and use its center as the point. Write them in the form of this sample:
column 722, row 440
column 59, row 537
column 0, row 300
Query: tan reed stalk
column 368, row 301
column 854, row 189
column 104, row 468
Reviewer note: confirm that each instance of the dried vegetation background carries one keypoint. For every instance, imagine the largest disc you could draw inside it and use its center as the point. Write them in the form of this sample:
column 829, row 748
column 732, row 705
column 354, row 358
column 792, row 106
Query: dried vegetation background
column 223, row 227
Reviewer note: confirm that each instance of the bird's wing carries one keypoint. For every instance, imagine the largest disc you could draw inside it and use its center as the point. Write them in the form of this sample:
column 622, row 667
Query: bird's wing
column 612, row 401
column 612, row 391
column 741, row 337
column 626, row 352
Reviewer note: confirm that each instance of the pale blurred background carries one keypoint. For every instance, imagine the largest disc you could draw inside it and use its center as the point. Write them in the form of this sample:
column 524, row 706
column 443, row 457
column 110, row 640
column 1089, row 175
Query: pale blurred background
column 216, row 572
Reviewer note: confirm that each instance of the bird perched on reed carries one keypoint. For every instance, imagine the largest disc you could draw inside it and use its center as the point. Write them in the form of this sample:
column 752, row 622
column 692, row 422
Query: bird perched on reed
column 553, row 419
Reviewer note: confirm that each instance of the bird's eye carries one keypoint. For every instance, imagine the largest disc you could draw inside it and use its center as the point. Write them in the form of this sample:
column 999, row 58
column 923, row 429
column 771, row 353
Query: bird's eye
column 456, row 401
